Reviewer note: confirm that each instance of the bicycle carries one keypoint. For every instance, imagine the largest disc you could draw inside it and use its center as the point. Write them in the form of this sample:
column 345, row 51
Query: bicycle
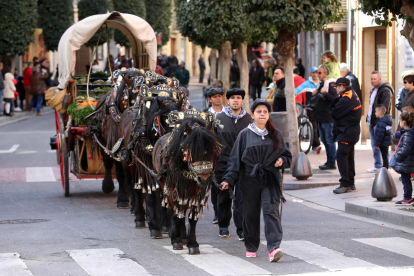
column 305, row 129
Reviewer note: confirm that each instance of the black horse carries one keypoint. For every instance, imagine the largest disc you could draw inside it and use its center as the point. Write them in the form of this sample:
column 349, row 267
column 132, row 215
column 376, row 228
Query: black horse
column 106, row 131
column 186, row 159
column 141, row 128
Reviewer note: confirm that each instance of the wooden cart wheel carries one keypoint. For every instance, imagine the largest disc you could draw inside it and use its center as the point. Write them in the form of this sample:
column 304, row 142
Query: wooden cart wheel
column 62, row 149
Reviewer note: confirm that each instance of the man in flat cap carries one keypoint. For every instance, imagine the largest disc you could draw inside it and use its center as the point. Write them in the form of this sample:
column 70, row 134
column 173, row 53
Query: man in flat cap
column 346, row 112
column 215, row 97
column 234, row 119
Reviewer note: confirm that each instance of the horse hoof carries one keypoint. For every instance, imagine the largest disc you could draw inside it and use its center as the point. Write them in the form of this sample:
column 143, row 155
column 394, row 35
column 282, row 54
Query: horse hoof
column 122, row 205
column 165, row 230
column 178, row 246
column 140, row 224
column 155, row 234
column 108, row 188
column 184, row 240
column 193, row 250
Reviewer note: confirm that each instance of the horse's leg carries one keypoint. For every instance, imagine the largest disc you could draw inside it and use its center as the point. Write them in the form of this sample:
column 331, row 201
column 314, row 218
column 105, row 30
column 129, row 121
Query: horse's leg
column 175, row 233
column 166, row 220
column 123, row 198
column 183, row 230
column 193, row 247
column 107, row 183
column 153, row 222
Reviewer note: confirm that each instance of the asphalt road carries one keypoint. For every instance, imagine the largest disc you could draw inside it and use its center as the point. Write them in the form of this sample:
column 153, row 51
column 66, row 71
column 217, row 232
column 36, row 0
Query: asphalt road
column 85, row 234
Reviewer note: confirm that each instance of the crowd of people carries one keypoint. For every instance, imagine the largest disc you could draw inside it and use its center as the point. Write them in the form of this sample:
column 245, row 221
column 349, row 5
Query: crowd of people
column 24, row 93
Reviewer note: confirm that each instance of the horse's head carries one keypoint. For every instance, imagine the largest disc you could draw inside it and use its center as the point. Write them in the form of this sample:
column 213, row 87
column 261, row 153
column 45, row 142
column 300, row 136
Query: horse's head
column 158, row 114
column 195, row 148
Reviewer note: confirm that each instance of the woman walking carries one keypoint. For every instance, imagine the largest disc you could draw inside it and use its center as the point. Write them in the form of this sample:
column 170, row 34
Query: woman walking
column 38, row 89
column 257, row 158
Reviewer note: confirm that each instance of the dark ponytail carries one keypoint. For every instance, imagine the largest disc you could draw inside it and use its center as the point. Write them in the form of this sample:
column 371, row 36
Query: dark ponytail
column 273, row 134
column 408, row 118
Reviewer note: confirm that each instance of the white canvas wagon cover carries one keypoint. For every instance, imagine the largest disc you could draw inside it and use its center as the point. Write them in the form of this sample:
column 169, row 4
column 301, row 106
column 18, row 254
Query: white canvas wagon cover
column 139, row 33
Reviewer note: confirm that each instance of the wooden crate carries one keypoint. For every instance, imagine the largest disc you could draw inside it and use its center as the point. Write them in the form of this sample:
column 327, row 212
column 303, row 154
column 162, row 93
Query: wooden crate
column 94, row 166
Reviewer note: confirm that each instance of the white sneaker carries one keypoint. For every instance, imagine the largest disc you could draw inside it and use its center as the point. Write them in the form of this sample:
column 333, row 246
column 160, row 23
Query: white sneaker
column 17, row 109
column 373, row 170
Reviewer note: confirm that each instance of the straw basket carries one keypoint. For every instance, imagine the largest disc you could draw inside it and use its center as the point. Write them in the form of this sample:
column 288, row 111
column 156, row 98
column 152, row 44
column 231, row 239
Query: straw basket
column 54, row 100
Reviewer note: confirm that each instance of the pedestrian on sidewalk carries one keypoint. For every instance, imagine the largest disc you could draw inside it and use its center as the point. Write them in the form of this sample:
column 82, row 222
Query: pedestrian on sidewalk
column 409, row 96
column 183, row 75
column 404, row 156
column 346, row 112
column 8, row 95
column 383, row 133
column 331, row 62
column 345, row 73
column 381, row 93
column 27, row 81
column 297, row 79
column 279, row 98
column 306, row 89
column 38, row 88
column 1, row 86
column 202, row 66
column 408, row 85
column 256, row 78
column 257, row 160
column 299, row 64
column 234, row 119
column 322, row 112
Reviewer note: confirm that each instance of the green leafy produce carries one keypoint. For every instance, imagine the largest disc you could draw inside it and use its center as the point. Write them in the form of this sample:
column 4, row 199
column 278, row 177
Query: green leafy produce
column 100, row 74
column 78, row 115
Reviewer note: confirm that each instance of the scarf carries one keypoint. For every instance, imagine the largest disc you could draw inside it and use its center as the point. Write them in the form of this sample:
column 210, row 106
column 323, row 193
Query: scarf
column 258, row 131
column 228, row 112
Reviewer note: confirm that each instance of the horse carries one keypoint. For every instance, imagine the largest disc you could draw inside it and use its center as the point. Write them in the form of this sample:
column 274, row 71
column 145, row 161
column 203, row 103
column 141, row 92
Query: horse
column 184, row 162
column 105, row 129
column 141, row 129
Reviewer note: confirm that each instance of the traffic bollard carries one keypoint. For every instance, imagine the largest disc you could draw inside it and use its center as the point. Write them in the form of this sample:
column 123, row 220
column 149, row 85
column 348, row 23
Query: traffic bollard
column 301, row 168
column 383, row 188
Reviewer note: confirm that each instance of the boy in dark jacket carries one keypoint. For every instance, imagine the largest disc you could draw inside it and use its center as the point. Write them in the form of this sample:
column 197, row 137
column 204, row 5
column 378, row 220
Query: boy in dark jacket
column 383, row 132
column 346, row 112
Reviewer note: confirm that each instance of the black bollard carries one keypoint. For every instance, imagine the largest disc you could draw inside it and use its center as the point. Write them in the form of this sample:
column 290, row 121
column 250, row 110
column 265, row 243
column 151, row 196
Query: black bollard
column 383, row 188
column 301, row 168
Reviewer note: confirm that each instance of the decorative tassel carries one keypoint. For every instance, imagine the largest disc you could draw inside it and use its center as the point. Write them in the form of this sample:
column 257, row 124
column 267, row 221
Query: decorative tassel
column 149, row 189
column 143, row 190
column 153, row 188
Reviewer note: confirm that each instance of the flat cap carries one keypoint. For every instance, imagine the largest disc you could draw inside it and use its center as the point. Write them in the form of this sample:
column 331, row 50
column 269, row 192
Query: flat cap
column 235, row 91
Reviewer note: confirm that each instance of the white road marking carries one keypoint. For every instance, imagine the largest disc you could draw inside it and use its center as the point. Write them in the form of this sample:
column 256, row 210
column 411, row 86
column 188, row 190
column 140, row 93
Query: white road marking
column 394, row 244
column 26, row 151
column 219, row 263
column 106, row 262
column 12, row 265
column 11, row 150
column 321, row 256
column 40, row 174
column 377, row 271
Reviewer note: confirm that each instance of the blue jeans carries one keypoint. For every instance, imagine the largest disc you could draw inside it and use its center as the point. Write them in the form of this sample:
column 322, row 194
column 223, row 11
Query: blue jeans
column 36, row 100
column 408, row 186
column 326, row 135
column 1, row 99
column 377, row 152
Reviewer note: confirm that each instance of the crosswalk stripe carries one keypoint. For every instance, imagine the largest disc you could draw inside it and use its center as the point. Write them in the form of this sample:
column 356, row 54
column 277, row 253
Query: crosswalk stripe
column 377, row 271
column 40, row 174
column 321, row 256
column 219, row 263
column 106, row 262
column 12, row 265
column 394, row 244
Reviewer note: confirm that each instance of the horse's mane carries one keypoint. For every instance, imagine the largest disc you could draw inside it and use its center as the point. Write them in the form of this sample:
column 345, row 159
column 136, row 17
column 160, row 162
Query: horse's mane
column 154, row 112
column 200, row 143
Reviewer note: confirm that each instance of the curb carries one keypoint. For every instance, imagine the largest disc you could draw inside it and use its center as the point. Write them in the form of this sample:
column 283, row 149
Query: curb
column 305, row 184
column 377, row 211
column 22, row 115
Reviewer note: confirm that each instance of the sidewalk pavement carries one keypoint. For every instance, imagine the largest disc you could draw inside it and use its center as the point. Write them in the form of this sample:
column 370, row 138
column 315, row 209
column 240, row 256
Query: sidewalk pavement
column 22, row 115
column 319, row 190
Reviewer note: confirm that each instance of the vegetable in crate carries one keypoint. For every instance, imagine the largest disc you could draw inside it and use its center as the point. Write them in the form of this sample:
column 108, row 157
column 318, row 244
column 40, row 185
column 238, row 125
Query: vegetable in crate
column 78, row 115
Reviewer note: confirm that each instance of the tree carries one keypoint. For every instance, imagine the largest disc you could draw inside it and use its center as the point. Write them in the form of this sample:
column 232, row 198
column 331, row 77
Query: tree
column 158, row 15
column 55, row 17
column 387, row 11
column 18, row 22
column 290, row 18
column 135, row 7
column 93, row 7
